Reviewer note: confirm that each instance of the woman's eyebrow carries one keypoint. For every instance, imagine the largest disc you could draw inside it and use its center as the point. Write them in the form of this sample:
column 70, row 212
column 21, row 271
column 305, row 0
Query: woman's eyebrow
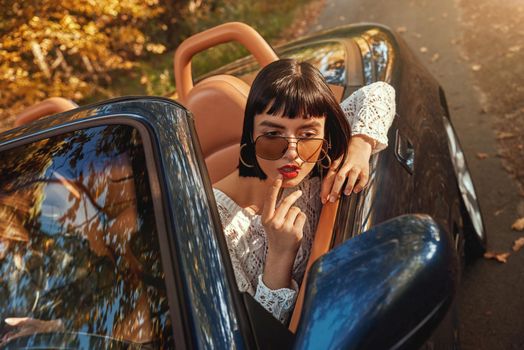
column 271, row 124
column 312, row 124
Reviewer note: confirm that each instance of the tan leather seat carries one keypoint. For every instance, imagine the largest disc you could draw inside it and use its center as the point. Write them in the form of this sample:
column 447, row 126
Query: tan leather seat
column 321, row 245
column 218, row 104
column 44, row 108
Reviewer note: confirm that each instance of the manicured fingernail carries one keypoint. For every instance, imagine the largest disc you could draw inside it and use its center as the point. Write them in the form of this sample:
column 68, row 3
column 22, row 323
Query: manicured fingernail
column 347, row 192
column 323, row 200
column 11, row 321
column 279, row 177
column 358, row 189
column 332, row 198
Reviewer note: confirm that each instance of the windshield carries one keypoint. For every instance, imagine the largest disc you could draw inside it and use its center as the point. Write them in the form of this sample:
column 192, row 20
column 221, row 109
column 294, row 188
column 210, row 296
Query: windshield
column 79, row 250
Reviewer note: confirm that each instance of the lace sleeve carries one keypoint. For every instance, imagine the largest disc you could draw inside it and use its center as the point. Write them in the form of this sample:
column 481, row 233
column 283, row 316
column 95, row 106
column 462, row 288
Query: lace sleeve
column 279, row 302
column 237, row 229
column 370, row 111
column 232, row 240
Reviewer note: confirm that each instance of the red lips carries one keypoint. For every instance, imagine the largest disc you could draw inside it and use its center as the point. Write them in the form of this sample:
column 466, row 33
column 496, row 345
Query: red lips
column 289, row 171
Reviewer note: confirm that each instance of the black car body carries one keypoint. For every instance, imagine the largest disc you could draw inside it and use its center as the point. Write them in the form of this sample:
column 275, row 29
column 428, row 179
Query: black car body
column 391, row 287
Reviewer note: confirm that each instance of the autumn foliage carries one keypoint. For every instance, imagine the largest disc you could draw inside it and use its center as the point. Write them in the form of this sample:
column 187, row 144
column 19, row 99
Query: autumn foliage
column 66, row 48
column 87, row 50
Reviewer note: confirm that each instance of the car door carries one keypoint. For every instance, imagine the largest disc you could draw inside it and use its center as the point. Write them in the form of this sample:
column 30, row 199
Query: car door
column 107, row 232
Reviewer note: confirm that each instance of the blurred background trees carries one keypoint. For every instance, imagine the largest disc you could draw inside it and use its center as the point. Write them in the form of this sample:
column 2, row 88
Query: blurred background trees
column 67, row 48
column 88, row 50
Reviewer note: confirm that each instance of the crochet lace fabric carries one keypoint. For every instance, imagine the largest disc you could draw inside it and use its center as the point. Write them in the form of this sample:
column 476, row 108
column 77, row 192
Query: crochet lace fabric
column 370, row 111
column 247, row 245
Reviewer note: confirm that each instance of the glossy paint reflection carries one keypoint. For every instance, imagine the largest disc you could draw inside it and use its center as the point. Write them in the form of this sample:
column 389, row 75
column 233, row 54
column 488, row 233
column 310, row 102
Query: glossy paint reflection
column 80, row 248
column 209, row 303
column 357, row 291
column 328, row 57
column 378, row 54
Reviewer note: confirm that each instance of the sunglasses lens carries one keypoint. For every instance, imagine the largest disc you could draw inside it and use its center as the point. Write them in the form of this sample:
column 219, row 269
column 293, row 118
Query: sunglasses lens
column 309, row 149
column 274, row 147
column 270, row 147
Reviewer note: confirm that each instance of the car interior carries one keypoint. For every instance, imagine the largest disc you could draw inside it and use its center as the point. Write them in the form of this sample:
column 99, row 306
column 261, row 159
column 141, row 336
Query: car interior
column 227, row 96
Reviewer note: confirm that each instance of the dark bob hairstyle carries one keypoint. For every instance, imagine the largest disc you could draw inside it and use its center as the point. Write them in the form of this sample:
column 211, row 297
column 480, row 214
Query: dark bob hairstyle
column 294, row 90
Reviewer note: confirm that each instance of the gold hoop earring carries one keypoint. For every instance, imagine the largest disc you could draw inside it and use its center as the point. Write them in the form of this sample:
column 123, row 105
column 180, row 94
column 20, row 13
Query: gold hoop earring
column 328, row 159
column 242, row 160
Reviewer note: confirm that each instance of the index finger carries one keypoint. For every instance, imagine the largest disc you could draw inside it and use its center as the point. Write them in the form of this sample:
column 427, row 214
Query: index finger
column 270, row 201
column 15, row 321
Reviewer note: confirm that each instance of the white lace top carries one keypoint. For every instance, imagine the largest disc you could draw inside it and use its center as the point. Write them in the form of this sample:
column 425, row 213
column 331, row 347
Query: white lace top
column 370, row 111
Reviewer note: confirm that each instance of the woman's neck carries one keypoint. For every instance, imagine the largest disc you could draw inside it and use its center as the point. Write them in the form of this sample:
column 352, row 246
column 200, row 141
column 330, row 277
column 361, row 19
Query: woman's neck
column 247, row 192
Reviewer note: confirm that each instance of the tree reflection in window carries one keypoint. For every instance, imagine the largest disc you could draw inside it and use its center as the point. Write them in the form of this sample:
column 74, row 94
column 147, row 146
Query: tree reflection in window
column 78, row 241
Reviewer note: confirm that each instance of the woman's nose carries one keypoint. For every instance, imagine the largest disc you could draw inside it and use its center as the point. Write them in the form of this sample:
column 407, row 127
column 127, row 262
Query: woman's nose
column 291, row 152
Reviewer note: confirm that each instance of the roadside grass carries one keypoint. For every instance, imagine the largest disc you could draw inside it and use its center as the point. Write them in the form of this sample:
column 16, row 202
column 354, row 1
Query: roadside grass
column 155, row 76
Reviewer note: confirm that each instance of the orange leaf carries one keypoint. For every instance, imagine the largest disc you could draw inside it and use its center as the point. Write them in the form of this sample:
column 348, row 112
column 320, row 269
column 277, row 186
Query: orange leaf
column 481, row 155
column 518, row 225
column 519, row 243
column 502, row 135
column 476, row 67
column 500, row 257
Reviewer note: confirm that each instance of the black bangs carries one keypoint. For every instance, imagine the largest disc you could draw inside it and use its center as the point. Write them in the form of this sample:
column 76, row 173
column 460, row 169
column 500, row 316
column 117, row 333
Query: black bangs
column 297, row 95
column 297, row 102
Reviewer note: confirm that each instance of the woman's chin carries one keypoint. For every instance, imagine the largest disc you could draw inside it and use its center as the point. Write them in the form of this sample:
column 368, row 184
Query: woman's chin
column 287, row 183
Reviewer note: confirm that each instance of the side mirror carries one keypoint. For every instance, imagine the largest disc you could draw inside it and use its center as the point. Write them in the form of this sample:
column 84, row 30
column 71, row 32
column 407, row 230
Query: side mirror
column 385, row 289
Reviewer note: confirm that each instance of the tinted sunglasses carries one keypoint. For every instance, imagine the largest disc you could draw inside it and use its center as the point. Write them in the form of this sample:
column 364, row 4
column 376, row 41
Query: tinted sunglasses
column 274, row 147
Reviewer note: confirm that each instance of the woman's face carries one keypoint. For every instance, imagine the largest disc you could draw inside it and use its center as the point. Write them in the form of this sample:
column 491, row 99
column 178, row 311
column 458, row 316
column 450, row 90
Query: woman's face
column 292, row 168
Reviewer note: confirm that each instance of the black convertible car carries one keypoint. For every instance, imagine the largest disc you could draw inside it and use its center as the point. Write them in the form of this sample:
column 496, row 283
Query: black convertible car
column 110, row 235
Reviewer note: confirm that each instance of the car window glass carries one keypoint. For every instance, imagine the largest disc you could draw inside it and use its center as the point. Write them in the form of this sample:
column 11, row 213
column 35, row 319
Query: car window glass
column 328, row 57
column 79, row 250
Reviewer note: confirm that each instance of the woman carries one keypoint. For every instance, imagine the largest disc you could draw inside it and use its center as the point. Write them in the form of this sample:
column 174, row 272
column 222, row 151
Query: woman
column 294, row 134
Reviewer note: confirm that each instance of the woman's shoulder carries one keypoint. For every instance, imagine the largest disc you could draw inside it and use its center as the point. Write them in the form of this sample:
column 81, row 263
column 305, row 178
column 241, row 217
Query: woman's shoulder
column 224, row 201
column 229, row 210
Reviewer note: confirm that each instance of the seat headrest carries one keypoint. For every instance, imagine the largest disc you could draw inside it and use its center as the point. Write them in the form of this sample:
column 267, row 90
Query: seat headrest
column 218, row 105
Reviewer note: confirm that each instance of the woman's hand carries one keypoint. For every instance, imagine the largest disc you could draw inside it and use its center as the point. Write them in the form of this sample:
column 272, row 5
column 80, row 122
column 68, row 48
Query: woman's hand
column 284, row 230
column 355, row 169
column 23, row 326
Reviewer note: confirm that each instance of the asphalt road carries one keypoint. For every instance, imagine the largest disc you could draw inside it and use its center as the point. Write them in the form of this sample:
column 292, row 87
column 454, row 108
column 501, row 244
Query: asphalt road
column 491, row 297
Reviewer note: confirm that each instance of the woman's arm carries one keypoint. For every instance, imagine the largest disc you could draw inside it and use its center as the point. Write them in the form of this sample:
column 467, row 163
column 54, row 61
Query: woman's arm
column 24, row 326
column 235, row 249
column 278, row 296
column 284, row 225
column 370, row 112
